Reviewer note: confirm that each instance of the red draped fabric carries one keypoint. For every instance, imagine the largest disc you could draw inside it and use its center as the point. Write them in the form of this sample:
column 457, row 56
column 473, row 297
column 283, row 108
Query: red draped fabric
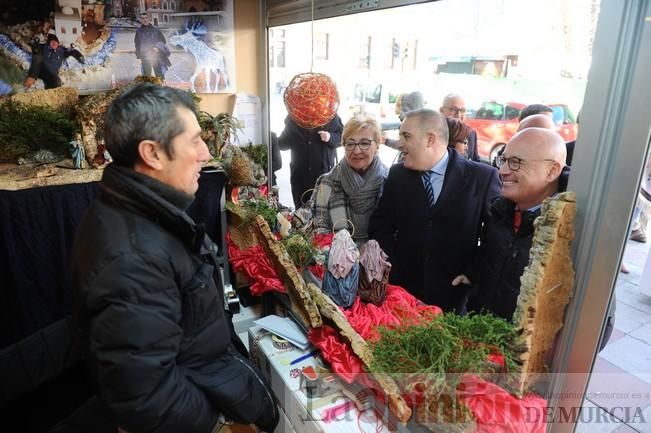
column 497, row 411
column 254, row 263
column 399, row 308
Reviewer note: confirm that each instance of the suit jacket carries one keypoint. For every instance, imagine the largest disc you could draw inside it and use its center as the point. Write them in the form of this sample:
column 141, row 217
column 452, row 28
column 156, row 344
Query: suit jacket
column 473, row 153
column 429, row 247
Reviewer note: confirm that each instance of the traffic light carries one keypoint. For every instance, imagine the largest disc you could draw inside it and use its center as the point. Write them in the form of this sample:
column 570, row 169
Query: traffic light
column 396, row 50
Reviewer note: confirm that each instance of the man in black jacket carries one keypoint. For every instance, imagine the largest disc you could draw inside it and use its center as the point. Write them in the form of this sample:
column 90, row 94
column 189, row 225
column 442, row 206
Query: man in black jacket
column 313, row 153
column 151, row 48
column 150, row 313
column 46, row 61
column 531, row 169
column 430, row 214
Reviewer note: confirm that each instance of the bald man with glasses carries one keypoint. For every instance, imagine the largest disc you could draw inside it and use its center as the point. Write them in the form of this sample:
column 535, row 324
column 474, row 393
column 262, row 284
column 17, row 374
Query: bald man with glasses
column 532, row 168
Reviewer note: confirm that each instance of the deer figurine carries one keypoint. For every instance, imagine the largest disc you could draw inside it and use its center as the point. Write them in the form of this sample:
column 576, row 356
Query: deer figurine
column 207, row 59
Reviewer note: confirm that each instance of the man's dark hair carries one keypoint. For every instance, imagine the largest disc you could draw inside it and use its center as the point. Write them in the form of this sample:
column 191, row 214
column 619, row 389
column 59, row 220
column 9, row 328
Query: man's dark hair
column 144, row 112
column 532, row 109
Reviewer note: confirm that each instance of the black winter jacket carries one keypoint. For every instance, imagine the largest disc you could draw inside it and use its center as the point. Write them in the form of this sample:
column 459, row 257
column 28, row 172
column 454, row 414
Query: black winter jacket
column 311, row 157
column 151, row 315
column 503, row 257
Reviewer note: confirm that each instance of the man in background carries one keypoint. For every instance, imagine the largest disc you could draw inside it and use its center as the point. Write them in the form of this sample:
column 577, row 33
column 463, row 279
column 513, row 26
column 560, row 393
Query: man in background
column 455, row 106
column 532, row 109
column 47, row 59
column 151, row 48
column 404, row 104
column 537, row 121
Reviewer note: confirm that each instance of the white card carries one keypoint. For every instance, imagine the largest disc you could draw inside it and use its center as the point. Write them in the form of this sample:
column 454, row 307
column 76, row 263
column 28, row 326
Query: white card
column 284, row 327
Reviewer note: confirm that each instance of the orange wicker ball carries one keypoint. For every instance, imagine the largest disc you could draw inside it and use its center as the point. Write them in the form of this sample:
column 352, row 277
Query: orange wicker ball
column 311, row 99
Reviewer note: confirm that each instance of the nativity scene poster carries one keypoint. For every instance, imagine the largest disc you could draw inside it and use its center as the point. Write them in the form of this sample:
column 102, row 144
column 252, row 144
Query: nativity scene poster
column 95, row 45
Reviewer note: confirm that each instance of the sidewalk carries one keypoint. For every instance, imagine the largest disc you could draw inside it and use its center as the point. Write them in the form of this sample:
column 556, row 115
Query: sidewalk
column 620, row 385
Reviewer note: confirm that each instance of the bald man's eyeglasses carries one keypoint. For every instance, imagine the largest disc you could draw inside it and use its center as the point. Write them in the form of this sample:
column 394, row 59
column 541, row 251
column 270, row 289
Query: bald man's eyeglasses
column 514, row 162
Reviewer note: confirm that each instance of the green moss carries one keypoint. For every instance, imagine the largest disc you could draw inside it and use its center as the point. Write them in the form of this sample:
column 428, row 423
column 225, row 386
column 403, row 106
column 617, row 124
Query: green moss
column 250, row 208
column 300, row 249
column 444, row 345
column 257, row 153
column 25, row 129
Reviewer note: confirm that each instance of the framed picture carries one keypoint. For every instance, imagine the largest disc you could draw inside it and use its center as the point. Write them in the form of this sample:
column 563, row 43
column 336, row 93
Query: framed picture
column 94, row 45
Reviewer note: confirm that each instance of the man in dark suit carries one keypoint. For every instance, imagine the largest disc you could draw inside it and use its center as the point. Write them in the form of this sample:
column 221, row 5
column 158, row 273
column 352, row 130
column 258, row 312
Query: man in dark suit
column 430, row 214
column 455, row 106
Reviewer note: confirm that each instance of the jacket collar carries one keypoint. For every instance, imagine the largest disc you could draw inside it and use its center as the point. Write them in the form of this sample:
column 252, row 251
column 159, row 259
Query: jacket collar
column 503, row 210
column 154, row 200
column 455, row 180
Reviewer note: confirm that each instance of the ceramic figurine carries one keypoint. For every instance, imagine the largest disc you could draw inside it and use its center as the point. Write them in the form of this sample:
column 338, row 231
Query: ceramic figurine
column 77, row 152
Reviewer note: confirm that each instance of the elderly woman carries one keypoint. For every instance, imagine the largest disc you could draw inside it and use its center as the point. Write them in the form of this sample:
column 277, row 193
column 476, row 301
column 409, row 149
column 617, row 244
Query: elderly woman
column 458, row 133
column 347, row 196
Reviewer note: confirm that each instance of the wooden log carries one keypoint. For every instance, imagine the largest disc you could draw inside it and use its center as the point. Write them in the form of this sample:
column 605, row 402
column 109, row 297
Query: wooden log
column 17, row 177
column 62, row 99
column 397, row 405
column 302, row 303
column 242, row 234
column 310, row 302
column 89, row 138
column 546, row 286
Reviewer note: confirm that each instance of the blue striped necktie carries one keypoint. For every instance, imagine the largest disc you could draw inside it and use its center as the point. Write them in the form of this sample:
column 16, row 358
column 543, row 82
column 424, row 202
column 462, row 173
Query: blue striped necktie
column 429, row 191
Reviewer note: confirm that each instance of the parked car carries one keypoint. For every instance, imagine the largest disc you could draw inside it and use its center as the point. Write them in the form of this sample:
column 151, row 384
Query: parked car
column 496, row 122
column 374, row 99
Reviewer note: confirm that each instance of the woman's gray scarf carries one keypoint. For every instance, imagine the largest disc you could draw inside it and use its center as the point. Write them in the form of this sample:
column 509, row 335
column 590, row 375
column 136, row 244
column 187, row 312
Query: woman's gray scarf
column 362, row 193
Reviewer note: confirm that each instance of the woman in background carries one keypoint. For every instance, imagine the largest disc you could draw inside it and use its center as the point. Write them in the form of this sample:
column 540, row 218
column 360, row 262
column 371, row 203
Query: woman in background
column 458, row 133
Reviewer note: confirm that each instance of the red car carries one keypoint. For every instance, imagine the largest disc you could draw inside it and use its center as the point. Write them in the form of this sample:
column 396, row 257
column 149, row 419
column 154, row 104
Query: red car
column 496, row 122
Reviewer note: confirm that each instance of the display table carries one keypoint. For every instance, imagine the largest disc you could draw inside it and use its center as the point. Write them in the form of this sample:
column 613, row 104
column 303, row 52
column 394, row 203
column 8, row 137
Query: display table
column 333, row 412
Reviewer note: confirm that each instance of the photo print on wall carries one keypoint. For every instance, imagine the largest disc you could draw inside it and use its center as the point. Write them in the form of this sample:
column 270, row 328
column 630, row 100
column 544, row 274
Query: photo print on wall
column 95, row 45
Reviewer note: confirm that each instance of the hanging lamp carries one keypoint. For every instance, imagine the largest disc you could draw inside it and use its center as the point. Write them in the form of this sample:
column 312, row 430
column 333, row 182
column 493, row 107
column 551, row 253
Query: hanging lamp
column 311, row 98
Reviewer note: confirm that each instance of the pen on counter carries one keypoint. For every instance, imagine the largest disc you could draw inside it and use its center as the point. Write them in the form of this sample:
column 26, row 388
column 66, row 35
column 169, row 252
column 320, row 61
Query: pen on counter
column 304, row 357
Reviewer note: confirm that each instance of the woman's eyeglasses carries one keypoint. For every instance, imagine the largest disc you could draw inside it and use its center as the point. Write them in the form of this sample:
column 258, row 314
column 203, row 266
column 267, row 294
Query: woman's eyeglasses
column 363, row 144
